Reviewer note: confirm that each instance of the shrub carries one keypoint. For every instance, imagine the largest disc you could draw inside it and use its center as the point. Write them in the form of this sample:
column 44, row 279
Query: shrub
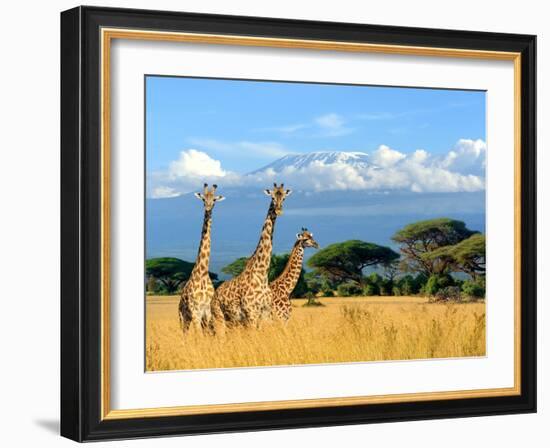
column 407, row 286
column 410, row 285
column 396, row 291
column 386, row 287
column 437, row 282
column 449, row 293
column 348, row 290
column 311, row 300
column 474, row 289
column 371, row 290
column 152, row 285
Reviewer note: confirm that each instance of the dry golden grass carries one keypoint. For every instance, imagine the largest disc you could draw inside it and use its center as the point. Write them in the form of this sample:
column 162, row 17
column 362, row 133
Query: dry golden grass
column 345, row 330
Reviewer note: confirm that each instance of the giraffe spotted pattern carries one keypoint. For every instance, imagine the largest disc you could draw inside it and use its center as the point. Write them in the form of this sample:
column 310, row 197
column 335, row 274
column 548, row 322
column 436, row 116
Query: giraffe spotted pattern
column 197, row 293
column 282, row 286
column 247, row 298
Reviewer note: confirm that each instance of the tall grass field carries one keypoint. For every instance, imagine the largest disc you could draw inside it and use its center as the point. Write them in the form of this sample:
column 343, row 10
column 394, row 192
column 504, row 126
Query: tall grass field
column 357, row 329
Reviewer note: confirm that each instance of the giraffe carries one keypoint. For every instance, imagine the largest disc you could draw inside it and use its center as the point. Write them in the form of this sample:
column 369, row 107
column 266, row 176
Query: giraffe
column 246, row 299
column 284, row 284
column 197, row 293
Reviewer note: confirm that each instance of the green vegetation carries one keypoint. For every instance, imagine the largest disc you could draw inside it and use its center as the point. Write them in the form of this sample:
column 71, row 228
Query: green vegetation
column 440, row 258
column 420, row 239
column 165, row 275
column 344, row 262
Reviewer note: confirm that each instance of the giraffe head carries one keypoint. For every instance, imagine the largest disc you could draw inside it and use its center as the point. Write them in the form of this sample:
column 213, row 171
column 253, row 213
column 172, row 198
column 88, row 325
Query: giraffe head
column 278, row 196
column 209, row 197
column 305, row 239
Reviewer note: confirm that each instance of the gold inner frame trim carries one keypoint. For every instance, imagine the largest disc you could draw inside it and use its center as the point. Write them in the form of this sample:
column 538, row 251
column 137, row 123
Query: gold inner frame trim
column 107, row 35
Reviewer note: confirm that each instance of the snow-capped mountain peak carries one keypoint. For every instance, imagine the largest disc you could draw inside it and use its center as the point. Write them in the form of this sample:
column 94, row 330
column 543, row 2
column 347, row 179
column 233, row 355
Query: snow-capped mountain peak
column 298, row 161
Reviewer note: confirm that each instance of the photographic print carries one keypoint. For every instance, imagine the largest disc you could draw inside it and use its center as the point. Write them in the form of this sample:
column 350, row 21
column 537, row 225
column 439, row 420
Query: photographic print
column 252, row 207
column 293, row 223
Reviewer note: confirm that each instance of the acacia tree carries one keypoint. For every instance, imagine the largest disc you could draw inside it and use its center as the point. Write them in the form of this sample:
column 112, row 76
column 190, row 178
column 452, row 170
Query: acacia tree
column 467, row 256
column 391, row 270
column 419, row 239
column 236, row 267
column 170, row 272
column 345, row 261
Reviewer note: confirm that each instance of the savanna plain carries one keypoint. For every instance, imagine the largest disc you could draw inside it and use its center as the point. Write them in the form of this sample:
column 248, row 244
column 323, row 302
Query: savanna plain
column 336, row 330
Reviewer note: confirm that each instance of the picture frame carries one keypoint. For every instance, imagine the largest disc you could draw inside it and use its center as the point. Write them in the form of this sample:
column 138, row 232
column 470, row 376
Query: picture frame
column 86, row 37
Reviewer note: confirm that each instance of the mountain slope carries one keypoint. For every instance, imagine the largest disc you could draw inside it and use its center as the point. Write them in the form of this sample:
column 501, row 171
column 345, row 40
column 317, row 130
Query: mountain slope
column 298, row 161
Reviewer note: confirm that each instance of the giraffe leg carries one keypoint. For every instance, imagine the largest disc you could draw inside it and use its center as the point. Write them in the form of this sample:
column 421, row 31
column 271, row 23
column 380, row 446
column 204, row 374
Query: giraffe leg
column 217, row 319
column 184, row 316
column 251, row 315
column 253, row 310
column 266, row 306
column 206, row 317
column 197, row 324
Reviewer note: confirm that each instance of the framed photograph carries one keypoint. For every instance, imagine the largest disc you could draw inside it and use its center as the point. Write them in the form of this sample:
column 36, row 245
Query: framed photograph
column 274, row 223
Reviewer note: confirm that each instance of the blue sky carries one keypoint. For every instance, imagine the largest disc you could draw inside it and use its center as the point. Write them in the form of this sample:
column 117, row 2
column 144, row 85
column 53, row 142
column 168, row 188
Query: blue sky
column 247, row 124
column 386, row 138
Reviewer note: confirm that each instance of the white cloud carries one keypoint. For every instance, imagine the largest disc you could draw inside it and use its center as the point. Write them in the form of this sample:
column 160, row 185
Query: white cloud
column 327, row 125
column 385, row 156
column 467, row 156
column 386, row 169
column 332, row 125
column 316, row 176
column 164, row 192
column 420, row 156
column 195, row 164
column 253, row 149
column 187, row 174
column 288, row 129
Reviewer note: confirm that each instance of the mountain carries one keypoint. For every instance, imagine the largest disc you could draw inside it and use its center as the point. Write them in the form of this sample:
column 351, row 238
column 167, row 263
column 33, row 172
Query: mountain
column 297, row 161
column 174, row 224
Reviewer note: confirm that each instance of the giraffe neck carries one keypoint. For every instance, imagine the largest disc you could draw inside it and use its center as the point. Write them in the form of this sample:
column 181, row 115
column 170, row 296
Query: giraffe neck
column 289, row 277
column 260, row 259
column 203, row 257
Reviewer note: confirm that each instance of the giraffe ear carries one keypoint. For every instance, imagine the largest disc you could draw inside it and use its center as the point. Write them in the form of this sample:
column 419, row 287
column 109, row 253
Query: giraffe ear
column 288, row 193
column 198, row 196
column 298, row 236
column 220, row 198
column 267, row 192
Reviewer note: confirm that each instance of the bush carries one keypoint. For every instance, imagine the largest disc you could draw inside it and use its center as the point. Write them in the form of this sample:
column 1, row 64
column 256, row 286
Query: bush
column 437, row 282
column 348, row 290
column 448, row 294
column 312, row 300
column 396, row 291
column 410, row 285
column 371, row 290
column 407, row 286
column 474, row 289
column 374, row 279
column 386, row 287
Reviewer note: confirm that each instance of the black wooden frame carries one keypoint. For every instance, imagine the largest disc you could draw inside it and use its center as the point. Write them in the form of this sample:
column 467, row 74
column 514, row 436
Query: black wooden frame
column 80, row 224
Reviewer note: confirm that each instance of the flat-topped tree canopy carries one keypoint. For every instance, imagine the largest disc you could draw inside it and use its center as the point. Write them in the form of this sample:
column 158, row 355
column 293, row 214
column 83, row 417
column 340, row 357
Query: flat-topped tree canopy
column 171, row 272
column 467, row 256
column 345, row 261
column 422, row 237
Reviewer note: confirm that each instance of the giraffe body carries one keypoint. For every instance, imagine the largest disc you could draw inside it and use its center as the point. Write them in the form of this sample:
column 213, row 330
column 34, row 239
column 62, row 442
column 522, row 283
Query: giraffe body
column 197, row 293
column 282, row 286
column 247, row 298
